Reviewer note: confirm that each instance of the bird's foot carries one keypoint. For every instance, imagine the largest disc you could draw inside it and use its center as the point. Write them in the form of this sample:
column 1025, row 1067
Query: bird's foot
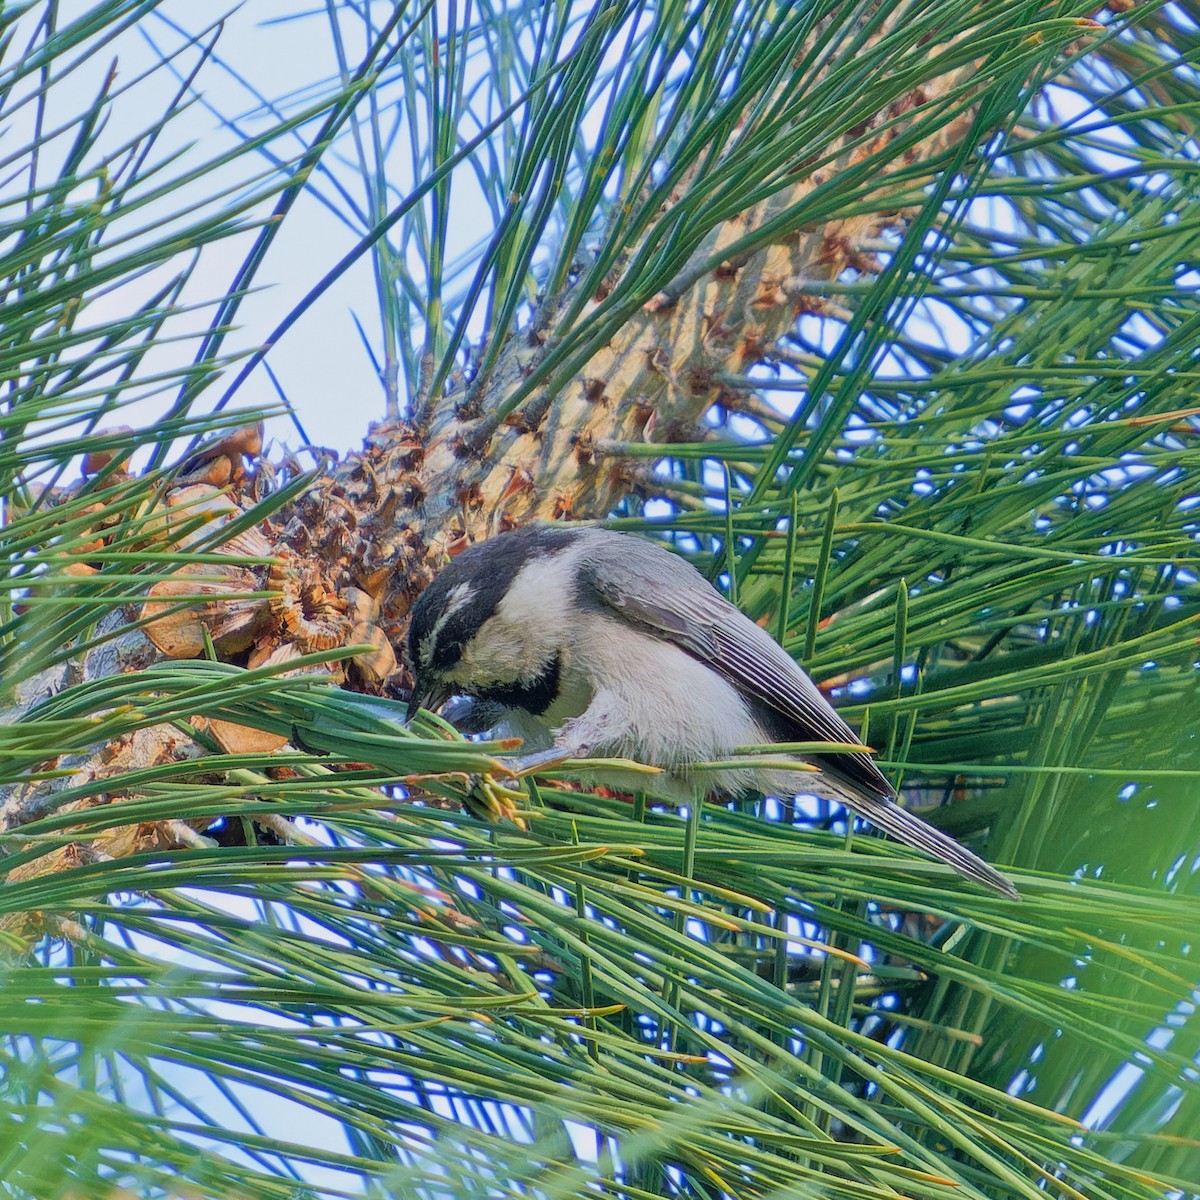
column 491, row 799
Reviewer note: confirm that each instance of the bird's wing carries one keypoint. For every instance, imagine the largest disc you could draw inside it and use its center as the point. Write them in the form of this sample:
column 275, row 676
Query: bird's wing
column 665, row 595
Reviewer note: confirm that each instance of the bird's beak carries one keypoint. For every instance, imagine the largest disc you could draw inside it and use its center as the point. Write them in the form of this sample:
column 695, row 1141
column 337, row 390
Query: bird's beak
column 425, row 697
column 414, row 701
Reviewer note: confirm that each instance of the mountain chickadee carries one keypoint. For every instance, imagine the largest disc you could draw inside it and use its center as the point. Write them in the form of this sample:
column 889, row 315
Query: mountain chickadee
column 591, row 643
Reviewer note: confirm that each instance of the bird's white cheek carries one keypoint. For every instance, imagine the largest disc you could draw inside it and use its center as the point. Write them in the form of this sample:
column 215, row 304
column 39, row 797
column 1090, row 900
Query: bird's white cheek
column 499, row 653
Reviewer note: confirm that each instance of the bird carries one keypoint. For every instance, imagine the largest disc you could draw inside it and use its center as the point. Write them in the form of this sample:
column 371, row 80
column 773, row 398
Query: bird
column 588, row 643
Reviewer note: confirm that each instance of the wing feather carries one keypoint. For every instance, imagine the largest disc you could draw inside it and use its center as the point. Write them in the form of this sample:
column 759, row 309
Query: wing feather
column 628, row 576
column 662, row 594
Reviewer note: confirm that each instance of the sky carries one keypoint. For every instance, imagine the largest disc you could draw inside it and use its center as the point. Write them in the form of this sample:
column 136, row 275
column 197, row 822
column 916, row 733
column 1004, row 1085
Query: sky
column 320, row 365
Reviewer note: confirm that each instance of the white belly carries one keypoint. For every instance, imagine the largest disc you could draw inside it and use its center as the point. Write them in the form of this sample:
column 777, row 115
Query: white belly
column 658, row 706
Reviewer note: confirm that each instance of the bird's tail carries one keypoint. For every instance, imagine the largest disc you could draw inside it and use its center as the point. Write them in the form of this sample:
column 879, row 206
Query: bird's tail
column 910, row 829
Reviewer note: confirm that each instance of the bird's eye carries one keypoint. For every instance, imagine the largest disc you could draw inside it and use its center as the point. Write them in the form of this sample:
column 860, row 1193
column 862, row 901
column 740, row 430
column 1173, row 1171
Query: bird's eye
column 442, row 645
column 445, row 653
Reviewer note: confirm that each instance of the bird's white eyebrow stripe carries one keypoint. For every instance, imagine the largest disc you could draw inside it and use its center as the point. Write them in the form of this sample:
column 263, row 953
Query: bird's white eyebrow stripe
column 459, row 595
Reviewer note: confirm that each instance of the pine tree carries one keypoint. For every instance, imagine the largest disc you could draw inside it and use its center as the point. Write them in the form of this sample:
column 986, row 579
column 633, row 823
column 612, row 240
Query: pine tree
column 884, row 314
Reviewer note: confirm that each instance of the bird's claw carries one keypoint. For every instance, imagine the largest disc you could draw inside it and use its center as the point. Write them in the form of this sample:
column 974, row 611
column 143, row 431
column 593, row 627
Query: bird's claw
column 491, row 800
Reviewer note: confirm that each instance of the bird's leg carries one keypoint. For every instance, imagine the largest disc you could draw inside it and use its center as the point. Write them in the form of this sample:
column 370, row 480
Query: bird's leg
column 490, row 798
column 576, row 738
column 539, row 760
